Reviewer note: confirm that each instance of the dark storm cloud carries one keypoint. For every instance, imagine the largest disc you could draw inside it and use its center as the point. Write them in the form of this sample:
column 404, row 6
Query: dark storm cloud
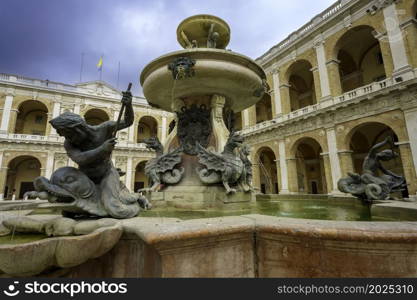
column 45, row 38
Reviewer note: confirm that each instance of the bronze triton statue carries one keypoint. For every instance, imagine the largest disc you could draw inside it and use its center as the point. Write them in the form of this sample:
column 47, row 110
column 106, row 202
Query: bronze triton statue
column 369, row 186
column 95, row 187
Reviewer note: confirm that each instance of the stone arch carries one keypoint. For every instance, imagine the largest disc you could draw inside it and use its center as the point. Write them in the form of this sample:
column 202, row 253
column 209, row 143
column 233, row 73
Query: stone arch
column 147, row 127
column 265, row 159
column 171, row 126
column 21, row 171
column 392, row 120
column 300, row 79
column 32, row 118
column 140, row 179
column 263, row 109
column 307, row 167
column 96, row 116
column 359, row 63
column 364, row 136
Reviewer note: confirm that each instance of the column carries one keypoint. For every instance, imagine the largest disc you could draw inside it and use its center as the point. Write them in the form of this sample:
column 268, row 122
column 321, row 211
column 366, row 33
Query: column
column 292, row 174
column 77, row 109
column 283, row 168
column 321, row 64
column 129, row 173
column 5, row 120
column 163, row 129
column 49, row 164
column 285, row 98
column 55, row 113
column 327, row 171
column 132, row 133
column 256, row 179
column 334, row 77
column 245, row 118
column 49, row 127
column 252, row 115
column 3, row 175
column 396, row 42
column 277, row 93
column 278, row 174
column 346, row 162
column 411, row 124
column 317, row 88
column 334, row 160
column 409, row 171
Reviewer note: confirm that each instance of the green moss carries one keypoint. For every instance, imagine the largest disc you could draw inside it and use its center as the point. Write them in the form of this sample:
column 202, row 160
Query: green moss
column 21, row 238
column 325, row 209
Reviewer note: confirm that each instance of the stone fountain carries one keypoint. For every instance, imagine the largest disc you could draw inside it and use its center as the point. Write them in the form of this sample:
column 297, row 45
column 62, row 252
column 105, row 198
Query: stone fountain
column 204, row 85
column 202, row 164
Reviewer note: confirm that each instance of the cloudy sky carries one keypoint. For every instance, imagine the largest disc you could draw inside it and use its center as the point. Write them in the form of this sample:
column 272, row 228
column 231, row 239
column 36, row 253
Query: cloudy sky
column 45, row 38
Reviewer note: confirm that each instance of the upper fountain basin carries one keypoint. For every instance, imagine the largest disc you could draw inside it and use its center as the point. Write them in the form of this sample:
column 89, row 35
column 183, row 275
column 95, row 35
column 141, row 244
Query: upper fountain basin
column 216, row 71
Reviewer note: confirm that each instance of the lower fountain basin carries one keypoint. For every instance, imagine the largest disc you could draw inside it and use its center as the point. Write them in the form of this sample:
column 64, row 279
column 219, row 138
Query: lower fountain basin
column 243, row 242
column 258, row 246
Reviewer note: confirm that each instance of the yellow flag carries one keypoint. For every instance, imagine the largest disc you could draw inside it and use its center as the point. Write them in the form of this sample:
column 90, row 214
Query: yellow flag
column 100, row 63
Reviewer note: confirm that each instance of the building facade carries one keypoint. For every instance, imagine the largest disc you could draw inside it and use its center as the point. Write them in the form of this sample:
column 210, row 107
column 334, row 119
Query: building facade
column 340, row 84
column 30, row 147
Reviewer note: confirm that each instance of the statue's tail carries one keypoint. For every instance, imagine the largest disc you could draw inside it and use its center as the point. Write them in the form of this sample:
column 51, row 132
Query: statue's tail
column 209, row 177
column 117, row 200
column 173, row 177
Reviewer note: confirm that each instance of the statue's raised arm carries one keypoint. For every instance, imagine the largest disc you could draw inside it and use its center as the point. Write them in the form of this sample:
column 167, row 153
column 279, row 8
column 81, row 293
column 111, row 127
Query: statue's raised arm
column 126, row 112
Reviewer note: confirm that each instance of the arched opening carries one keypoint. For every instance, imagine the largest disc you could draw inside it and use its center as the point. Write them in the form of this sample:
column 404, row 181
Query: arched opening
column 267, row 171
column 148, row 127
column 415, row 10
column 364, row 137
column 361, row 63
column 21, row 172
column 141, row 181
column 301, row 81
column 32, row 118
column 171, row 126
column 238, row 121
column 96, row 116
column 263, row 110
column 311, row 177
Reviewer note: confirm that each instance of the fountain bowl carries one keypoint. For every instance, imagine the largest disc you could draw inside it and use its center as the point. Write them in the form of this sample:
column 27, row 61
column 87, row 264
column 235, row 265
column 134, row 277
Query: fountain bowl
column 33, row 258
column 216, row 71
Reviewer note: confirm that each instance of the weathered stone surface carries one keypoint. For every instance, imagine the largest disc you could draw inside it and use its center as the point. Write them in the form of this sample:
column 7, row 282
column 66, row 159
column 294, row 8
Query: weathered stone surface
column 313, row 248
column 258, row 246
column 60, row 227
column 33, row 258
column 86, row 227
column 30, row 224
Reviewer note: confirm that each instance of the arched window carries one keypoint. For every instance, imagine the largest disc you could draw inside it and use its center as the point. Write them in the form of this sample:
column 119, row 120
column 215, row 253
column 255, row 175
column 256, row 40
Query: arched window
column 301, row 81
column 21, row 172
column 32, row 118
column 147, row 127
column 96, row 116
column 311, row 178
column 361, row 63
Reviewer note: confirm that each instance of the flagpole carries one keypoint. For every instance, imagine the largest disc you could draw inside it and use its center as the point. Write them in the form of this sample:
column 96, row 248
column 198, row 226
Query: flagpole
column 118, row 76
column 82, row 65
